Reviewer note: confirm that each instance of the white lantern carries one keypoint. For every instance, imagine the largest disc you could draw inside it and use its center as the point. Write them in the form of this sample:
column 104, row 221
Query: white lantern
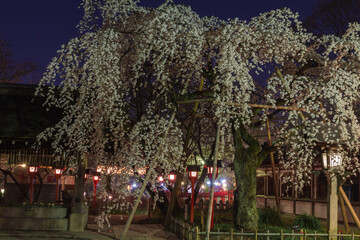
column 331, row 159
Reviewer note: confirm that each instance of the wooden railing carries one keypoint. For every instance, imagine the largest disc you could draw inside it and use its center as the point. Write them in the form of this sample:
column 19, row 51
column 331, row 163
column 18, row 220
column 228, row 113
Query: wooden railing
column 185, row 231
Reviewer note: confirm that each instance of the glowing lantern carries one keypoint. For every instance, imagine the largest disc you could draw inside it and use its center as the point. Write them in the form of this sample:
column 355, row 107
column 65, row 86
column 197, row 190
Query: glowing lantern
column 172, row 176
column 160, row 179
column 331, row 159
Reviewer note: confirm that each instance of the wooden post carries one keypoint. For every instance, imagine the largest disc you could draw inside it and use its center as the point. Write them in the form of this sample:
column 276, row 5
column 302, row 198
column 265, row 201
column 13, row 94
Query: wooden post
column 231, row 234
column 344, row 215
column 211, row 198
column 348, row 204
column 281, row 235
column 189, row 232
column 256, row 235
column 332, row 207
column 196, row 233
column 294, row 202
column 273, row 168
column 313, row 194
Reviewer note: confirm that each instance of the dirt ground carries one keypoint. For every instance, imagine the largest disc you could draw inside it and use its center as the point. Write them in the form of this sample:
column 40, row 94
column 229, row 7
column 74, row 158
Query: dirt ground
column 121, row 219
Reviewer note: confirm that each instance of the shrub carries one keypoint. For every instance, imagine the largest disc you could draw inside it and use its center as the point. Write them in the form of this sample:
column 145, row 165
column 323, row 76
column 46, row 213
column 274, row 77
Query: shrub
column 270, row 217
column 223, row 227
column 307, row 222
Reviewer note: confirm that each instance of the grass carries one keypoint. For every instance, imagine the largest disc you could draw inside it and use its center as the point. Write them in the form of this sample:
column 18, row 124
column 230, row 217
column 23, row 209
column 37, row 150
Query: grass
column 269, row 219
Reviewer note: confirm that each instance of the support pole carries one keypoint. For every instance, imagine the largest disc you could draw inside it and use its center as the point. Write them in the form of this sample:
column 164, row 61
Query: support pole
column 273, row 168
column 148, row 174
column 180, row 175
column 212, row 216
column 351, row 209
column 332, row 207
column 344, row 215
column 211, row 199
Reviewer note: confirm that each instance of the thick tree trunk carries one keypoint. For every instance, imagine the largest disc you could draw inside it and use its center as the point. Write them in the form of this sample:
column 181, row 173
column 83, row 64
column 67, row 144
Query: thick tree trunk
column 246, row 162
column 174, row 197
column 245, row 211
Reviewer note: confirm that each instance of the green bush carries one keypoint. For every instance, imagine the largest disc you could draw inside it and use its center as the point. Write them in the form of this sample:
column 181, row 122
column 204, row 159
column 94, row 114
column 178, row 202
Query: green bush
column 223, row 227
column 269, row 217
column 307, row 222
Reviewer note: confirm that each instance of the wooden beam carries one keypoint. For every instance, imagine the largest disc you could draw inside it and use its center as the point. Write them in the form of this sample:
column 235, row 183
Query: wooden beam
column 253, row 105
column 348, row 204
column 344, row 215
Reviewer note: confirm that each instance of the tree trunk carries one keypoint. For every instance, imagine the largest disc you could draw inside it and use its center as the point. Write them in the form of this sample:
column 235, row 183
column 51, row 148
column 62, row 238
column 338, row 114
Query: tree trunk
column 79, row 188
column 161, row 204
column 245, row 211
column 174, row 196
column 246, row 162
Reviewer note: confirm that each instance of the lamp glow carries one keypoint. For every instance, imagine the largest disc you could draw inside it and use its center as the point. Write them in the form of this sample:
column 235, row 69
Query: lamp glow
column 331, row 159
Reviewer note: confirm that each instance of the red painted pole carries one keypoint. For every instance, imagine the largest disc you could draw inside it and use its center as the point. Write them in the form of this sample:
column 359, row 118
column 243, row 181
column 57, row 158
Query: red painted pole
column 94, row 195
column 192, row 202
column 31, row 188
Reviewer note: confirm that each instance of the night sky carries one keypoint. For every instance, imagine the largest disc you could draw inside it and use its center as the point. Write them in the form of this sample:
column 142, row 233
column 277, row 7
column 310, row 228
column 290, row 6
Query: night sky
column 36, row 29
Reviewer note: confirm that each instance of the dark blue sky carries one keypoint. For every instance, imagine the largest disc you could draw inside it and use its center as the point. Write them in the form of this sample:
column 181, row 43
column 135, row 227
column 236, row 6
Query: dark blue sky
column 37, row 28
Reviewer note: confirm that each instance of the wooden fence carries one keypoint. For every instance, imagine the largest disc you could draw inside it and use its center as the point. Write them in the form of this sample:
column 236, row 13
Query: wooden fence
column 185, row 231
